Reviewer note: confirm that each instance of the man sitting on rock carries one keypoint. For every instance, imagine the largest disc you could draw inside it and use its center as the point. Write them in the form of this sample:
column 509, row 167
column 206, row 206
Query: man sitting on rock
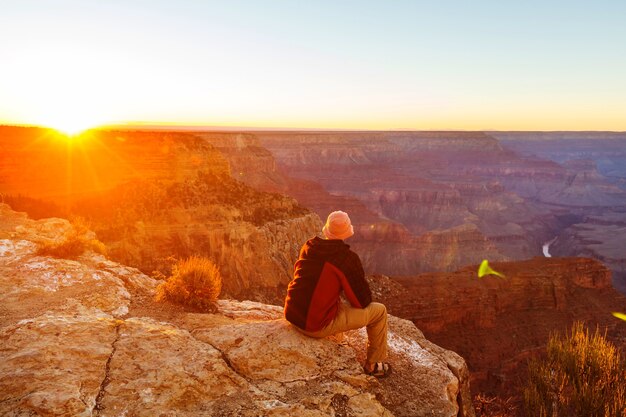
column 325, row 268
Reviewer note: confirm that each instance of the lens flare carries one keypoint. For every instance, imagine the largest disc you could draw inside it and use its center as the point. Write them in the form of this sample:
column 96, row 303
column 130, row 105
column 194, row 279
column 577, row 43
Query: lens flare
column 620, row 316
column 485, row 269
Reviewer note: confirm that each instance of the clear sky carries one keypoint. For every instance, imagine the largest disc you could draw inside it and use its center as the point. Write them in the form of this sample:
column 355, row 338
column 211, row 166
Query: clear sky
column 518, row 65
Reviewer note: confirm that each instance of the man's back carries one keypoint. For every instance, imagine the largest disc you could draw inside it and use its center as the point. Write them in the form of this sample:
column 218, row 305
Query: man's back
column 323, row 270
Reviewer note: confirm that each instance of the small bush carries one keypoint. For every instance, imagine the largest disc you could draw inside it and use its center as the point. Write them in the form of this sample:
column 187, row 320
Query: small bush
column 195, row 282
column 74, row 244
column 582, row 375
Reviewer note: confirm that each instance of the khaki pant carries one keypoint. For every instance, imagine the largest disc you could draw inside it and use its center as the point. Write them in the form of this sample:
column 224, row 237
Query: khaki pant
column 374, row 317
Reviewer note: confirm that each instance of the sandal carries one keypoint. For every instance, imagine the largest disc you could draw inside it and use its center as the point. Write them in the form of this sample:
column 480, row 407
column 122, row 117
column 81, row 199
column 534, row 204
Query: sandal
column 380, row 370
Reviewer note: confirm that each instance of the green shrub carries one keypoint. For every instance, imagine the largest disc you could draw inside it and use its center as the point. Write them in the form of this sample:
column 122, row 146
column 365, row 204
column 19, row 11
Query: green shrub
column 581, row 375
column 74, row 243
column 195, row 282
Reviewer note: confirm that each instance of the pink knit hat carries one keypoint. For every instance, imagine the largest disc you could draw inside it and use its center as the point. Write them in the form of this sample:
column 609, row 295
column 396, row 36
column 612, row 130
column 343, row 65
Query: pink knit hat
column 338, row 226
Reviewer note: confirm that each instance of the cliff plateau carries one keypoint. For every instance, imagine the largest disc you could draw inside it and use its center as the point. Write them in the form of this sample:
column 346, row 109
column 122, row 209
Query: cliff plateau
column 84, row 338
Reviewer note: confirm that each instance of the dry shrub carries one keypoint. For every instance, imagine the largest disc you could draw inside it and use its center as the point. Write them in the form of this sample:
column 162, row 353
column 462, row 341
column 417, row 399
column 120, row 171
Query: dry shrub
column 582, row 375
column 74, row 244
column 195, row 282
column 487, row 406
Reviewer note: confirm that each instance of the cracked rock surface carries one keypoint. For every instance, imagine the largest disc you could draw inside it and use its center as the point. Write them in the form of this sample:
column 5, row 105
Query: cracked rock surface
column 85, row 338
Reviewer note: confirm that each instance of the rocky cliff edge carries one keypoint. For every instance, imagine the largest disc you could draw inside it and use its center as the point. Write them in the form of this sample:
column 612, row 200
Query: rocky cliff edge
column 83, row 337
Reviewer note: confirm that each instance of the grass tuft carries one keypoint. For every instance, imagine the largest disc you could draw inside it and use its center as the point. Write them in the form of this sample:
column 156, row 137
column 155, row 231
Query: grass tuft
column 583, row 374
column 195, row 282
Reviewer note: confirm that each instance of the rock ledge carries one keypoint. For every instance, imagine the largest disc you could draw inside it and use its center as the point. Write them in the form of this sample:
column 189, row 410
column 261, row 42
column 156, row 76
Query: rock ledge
column 83, row 338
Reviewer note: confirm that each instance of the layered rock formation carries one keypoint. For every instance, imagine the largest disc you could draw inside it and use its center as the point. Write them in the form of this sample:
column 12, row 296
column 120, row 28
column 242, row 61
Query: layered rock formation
column 496, row 323
column 83, row 337
column 595, row 168
column 606, row 149
column 154, row 195
column 598, row 237
column 423, row 187
column 249, row 161
column 435, row 201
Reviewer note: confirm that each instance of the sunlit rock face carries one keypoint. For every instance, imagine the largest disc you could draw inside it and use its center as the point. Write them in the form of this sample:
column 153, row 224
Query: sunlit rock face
column 42, row 164
column 256, row 261
column 498, row 323
column 155, row 196
column 84, row 337
column 249, row 161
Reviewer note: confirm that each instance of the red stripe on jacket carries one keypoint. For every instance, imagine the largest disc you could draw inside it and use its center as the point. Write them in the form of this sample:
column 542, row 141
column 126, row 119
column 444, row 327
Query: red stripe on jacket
column 325, row 300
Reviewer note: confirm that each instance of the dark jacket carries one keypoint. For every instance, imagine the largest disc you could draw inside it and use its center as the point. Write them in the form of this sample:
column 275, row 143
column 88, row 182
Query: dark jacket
column 323, row 270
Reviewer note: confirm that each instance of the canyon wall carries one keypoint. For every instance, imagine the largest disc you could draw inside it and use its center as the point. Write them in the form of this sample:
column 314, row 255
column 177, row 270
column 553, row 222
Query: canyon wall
column 421, row 201
column 249, row 161
column 495, row 323
column 598, row 237
column 435, row 201
column 595, row 165
column 606, row 149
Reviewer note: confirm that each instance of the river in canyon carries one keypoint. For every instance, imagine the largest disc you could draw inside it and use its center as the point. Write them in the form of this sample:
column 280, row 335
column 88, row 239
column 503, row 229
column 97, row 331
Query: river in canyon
column 546, row 247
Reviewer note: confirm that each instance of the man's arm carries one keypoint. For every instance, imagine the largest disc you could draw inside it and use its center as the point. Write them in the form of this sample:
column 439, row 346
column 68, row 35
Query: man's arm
column 355, row 287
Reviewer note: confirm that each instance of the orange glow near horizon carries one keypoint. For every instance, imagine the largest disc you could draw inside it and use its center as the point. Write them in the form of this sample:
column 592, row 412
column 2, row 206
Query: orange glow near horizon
column 367, row 68
column 73, row 127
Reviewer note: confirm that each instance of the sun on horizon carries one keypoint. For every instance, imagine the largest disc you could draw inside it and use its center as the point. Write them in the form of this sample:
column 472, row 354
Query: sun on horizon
column 69, row 119
column 71, row 129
